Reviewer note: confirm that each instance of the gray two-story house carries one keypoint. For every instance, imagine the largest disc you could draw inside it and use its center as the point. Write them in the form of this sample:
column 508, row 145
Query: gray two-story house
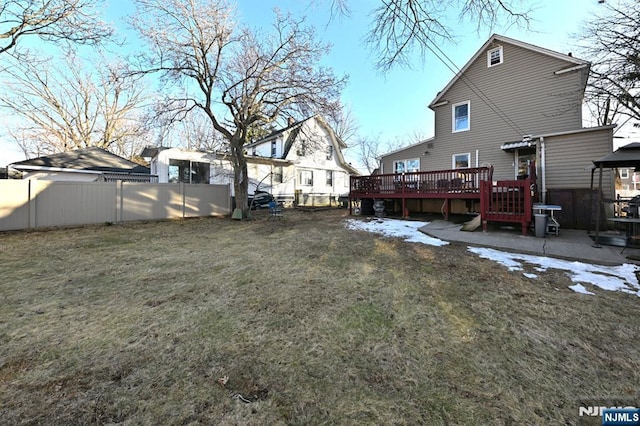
column 511, row 104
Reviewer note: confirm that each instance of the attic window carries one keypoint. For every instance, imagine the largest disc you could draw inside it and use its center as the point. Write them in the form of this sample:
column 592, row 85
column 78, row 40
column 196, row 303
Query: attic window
column 495, row 57
column 302, row 149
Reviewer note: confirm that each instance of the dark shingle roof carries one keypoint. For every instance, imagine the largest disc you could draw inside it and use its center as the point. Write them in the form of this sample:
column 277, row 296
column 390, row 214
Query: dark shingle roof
column 95, row 159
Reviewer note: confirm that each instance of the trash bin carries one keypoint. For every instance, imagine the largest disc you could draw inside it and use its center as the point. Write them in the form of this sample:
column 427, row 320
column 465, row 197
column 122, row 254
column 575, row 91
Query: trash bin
column 541, row 224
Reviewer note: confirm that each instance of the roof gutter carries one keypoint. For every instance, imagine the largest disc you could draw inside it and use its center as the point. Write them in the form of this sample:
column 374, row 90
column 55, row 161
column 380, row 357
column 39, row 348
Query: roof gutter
column 566, row 70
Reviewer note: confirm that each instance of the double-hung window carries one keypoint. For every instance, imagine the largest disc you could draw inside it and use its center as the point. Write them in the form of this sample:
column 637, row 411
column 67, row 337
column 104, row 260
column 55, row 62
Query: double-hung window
column 278, row 174
column 494, row 57
column 306, row 177
column 461, row 161
column 461, row 119
column 329, row 177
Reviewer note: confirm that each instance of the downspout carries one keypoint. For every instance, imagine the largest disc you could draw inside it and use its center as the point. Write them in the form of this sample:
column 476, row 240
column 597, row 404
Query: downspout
column 477, row 161
column 543, row 170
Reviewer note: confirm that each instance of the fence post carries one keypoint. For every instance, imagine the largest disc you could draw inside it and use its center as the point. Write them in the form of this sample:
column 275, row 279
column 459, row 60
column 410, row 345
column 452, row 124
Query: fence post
column 182, row 190
column 32, row 204
column 119, row 208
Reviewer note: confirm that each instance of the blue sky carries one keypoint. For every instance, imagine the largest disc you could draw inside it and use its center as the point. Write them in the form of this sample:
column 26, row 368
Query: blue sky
column 393, row 106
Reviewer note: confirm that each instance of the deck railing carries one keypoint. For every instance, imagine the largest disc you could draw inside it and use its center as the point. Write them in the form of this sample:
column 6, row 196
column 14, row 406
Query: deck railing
column 507, row 201
column 431, row 183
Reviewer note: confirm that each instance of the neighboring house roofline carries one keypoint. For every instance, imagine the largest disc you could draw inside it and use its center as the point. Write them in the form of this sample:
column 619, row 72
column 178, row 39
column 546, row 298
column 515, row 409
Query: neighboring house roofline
column 85, row 159
column 431, row 139
column 295, row 129
column 276, row 133
column 53, row 169
column 578, row 63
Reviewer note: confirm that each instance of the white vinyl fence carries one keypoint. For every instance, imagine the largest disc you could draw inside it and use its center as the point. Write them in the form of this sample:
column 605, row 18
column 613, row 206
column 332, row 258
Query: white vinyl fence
column 26, row 204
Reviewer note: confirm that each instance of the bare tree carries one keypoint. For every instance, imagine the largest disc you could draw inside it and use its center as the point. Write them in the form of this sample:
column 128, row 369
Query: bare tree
column 240, row 79
column 344, row 123
column 371, row 149
column 369, row 152
column 193, row 131
column 401, row 26
column 611, row 41
column 73, row 21
column 69, row 107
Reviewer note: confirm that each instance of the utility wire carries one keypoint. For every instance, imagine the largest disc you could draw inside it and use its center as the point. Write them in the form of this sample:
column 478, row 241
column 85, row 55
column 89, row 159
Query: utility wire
column 475, row 89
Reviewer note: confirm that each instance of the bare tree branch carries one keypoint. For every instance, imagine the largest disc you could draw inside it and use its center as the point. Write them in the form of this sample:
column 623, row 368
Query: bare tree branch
column 399, row 27
column 69, row 107
column 66, row 21
column 611, row 41
column 239, row 79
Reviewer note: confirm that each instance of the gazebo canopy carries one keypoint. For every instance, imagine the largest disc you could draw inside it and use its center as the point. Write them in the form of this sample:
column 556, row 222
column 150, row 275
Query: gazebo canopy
column 625, row 156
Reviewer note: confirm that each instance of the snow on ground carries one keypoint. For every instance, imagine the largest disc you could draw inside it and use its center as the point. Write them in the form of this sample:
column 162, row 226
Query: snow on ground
column 396, row 228
column 614, row 278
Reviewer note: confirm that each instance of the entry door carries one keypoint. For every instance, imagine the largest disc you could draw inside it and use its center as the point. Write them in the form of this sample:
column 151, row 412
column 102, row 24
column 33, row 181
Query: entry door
column 524, row 158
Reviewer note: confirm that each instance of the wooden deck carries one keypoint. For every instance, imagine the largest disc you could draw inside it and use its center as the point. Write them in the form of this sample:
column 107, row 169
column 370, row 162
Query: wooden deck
column 435, row 184
column 502, row 201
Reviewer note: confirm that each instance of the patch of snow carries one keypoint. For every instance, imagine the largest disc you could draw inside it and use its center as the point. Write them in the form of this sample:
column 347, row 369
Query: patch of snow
column 613, row 278
column 396, row 228
column 579, row 288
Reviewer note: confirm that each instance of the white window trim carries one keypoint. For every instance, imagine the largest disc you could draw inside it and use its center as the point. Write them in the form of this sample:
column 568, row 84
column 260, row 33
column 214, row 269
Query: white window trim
column 497, row 49
column 302, row 180
column 404, row 168
column 624, row 173
column 406, row 165
column 453, row 117
column 453, row 160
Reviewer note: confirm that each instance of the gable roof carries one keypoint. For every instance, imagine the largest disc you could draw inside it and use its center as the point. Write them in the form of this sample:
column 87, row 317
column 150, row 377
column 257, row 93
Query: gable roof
column 276, row 133
column 495, row 38
column 86, row 159
column 295, row 129
column 413, row 145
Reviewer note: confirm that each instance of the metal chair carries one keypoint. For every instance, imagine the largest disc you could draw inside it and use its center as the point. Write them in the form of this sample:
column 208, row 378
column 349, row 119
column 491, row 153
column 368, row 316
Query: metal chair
column 275, row 210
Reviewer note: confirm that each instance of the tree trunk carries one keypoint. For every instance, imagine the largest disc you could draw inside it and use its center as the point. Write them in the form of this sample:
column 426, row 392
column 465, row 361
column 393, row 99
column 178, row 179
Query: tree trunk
column 240, row 177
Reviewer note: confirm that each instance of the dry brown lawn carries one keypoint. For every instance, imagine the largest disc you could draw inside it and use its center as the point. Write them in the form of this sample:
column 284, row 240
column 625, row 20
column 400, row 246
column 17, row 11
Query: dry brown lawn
column 298, row 321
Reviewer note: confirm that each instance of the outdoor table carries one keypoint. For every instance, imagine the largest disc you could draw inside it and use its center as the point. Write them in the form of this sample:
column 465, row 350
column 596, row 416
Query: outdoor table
column 552, row 224
column 631, row 225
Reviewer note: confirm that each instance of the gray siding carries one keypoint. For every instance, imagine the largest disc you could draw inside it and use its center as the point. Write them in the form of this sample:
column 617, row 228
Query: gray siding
column 570, row 159
column 524, row 88
column 408, row 153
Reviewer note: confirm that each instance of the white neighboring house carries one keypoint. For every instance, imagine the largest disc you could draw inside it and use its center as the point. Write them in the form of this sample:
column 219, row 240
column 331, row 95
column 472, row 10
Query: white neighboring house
column 302, row 162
